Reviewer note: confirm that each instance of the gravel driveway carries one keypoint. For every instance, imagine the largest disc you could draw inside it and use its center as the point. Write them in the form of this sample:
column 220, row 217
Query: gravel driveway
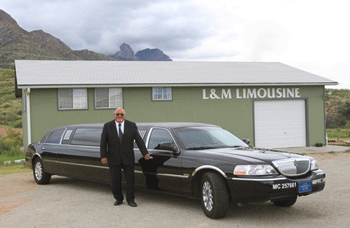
column 74, row 203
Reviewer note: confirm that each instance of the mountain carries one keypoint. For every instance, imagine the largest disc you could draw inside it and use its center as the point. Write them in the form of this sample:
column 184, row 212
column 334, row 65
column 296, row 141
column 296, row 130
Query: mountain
column 126, row 53
column 17, row 43
column 152, row 55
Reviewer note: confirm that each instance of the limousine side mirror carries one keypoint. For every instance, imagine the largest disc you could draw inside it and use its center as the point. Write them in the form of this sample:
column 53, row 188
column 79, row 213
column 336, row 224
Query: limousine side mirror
column 246, row 141
column 167, row 146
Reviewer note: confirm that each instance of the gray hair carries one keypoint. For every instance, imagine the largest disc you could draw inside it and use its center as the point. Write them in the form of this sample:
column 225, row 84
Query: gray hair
column 119, row 109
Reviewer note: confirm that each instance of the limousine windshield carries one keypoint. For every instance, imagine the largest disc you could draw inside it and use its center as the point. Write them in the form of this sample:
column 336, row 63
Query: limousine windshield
column 208, row 138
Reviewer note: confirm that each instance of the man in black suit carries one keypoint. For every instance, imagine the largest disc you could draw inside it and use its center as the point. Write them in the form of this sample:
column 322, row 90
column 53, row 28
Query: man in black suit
column 116, row 148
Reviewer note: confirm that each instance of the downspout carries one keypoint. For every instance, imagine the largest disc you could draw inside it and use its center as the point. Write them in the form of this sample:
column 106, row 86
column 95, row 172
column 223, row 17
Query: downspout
column 29, row 130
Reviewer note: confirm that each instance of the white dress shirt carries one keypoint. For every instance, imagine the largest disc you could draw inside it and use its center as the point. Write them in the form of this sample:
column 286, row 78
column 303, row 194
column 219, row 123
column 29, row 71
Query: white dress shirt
column 121, row 126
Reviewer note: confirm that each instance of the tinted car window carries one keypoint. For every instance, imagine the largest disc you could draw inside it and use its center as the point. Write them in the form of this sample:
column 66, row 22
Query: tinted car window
column 206, row 138
column 87, row 136
column 142, row 134
column 159, row 136
column 55, row 137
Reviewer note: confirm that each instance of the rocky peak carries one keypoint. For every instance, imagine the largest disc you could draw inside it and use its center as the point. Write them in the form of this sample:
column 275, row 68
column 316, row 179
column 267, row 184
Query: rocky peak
column 126, row 53
column 8, row 23
column 4, row 17
column 152, row 55
column 43, row 37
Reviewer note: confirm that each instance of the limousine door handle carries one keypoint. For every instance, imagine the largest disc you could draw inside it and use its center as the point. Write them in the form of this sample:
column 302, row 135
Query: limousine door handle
column 43, row 148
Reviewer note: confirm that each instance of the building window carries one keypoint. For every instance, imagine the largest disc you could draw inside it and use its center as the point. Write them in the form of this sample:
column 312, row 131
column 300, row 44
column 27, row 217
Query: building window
column 108, row 98
column 72, row 99
column 162, row 94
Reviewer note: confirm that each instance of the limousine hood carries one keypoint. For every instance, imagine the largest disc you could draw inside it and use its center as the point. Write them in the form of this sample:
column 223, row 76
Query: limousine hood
column 246, row 155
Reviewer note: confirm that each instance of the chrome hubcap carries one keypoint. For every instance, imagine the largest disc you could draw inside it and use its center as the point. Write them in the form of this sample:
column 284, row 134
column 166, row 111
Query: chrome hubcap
column 38, row 171
column 207, row 196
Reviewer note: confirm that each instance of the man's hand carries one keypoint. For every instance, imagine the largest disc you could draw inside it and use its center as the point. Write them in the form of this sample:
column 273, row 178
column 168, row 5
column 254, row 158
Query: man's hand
column 104, row 160
column 147, row 156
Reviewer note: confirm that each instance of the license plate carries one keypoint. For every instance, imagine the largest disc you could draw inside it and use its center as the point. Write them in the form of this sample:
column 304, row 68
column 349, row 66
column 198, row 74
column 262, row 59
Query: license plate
column 305, row 186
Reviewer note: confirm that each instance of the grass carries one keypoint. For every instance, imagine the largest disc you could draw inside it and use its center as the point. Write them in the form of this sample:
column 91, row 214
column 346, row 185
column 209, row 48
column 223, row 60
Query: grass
column 338, row 133
column 4, row 158
column 15, row 168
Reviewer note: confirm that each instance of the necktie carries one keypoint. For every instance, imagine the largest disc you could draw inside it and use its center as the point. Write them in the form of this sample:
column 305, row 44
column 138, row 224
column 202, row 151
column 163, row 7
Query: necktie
column 120, row 133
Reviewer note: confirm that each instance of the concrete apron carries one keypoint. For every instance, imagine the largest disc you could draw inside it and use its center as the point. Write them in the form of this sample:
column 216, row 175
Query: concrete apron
column 313, row 149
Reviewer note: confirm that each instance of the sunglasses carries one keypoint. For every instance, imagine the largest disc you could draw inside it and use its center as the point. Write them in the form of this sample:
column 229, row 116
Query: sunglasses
column 119, row 114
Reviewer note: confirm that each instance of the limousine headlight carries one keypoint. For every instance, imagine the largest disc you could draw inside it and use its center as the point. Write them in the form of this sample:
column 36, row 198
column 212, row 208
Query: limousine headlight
column 313, row 164
column 254, row 170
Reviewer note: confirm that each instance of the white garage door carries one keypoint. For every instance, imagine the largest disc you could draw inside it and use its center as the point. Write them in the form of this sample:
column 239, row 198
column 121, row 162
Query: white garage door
column 280, row 124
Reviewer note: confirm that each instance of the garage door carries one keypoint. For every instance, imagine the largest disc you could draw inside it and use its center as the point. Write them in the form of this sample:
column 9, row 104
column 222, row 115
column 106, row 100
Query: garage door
column 280, row 124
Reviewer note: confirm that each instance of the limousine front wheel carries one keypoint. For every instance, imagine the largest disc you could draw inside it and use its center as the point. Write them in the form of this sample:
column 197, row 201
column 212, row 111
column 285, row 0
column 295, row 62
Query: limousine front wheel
column 40, row 176
column 214, row 195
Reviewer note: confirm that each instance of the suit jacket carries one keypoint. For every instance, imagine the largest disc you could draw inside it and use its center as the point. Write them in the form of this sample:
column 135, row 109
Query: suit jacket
column 118, row 152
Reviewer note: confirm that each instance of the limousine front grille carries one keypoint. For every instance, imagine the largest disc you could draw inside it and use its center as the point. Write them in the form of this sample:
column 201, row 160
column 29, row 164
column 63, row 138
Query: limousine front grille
column 293, row 166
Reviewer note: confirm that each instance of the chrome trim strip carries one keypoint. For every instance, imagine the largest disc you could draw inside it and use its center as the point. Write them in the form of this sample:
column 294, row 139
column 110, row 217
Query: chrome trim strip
column 249, row 179
column 172, row 175
column 64, row 132
column 106, row 167
column 79, row 164
column 319, row 172
column 164, row 174
column 209, row 167
column 76, row 145
column 38, row 156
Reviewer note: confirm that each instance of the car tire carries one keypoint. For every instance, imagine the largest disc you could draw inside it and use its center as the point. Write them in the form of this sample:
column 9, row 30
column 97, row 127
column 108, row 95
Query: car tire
column 286, row 202
column 214, row 195
column 40, row 176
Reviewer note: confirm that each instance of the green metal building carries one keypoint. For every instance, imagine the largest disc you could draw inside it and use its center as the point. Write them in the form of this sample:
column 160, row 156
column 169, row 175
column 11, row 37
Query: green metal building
column 272, row 104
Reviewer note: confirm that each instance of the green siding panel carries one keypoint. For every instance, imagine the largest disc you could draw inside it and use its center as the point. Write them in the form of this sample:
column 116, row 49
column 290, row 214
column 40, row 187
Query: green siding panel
column 188, row 105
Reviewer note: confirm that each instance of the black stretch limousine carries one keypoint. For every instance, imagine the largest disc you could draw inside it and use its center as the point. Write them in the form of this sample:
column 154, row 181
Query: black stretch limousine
column 192, row 159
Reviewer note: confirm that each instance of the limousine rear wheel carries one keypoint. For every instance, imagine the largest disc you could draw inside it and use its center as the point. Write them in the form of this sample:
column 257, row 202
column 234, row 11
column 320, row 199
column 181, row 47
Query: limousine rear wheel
column 214, row 195
column 40, row 176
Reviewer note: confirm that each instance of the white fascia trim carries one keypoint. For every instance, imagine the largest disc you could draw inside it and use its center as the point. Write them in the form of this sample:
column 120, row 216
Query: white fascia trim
column 173, row 85
column 29, row 130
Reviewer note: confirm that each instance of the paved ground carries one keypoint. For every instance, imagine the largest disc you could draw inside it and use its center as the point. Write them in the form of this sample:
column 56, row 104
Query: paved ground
column 73, row 203
column 314, row 150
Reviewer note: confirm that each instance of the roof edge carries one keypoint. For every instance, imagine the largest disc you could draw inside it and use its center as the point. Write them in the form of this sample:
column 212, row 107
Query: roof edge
column 175, row 85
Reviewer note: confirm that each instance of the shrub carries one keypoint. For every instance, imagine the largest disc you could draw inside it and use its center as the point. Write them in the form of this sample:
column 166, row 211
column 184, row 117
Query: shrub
column 17, row 124
column 10, row 145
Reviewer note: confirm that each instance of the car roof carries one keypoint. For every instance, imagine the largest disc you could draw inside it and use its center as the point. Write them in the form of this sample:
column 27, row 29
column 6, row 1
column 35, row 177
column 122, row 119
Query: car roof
column 149, row 124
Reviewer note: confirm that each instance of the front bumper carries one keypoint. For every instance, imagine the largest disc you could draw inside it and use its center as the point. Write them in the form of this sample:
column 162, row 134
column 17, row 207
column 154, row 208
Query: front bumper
column 243, row 189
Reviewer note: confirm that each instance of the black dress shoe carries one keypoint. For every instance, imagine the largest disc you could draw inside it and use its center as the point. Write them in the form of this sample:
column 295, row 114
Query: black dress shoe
column 132, row 204
column 118, row 202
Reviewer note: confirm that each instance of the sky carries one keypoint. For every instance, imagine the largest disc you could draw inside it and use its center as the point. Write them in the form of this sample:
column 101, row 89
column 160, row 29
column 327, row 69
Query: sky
column 311, row 35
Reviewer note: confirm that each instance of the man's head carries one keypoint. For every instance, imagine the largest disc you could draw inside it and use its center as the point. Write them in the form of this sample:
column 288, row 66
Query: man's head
column 119, row 115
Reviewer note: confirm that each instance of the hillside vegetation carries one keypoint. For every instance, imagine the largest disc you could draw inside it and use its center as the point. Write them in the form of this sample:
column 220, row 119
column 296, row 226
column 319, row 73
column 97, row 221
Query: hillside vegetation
column 337, row 108
column 17, row 43
column 10, row 106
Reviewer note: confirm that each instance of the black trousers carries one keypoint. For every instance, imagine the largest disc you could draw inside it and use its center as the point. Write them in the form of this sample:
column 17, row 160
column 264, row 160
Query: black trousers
column 116, row 181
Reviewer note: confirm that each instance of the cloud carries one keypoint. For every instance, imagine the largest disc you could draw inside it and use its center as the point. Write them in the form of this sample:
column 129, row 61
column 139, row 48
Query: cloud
column 264, row 39
column 102, row 26
column 298, row 33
